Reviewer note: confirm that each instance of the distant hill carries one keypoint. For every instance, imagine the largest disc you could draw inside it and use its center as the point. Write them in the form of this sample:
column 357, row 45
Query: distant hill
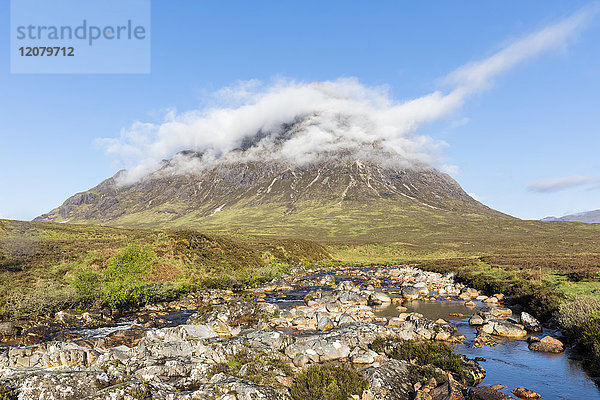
column 589, row 217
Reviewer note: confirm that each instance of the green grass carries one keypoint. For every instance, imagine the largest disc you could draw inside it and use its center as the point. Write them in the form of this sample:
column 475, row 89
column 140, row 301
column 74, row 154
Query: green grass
column 327, row 382
column 426, row 354
column 47, row 267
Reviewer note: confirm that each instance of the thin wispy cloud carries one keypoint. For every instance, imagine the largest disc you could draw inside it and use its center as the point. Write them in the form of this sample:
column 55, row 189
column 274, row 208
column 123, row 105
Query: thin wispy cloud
column 340, row 115
column 557, row 184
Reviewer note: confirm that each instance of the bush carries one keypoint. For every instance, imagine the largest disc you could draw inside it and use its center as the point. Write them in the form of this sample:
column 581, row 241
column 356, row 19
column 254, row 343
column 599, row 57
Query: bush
column 580, row 321
column 7, row 393
column 87, row 284
column 45, row 298
column 436, row 354
column 125, row 282
column 327, row 382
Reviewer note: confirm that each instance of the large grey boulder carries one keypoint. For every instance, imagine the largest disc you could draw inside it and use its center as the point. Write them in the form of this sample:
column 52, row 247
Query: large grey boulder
column 530, row 323
column 379, row 298
column 389, row 381
column 503, row 327
column 410, row 292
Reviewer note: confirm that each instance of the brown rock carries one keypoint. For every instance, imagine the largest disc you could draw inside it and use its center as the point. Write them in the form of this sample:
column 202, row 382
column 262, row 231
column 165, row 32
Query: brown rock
column 523, row 393
column 487, row 393
column 497, row 386
column 547, row 345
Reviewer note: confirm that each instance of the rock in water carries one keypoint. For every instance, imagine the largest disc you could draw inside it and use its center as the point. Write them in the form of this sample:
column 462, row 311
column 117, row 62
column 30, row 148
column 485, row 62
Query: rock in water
column 379, row 298
column 530, row 323
column 547, row 345
column 523, row 393
column 410, row 292
column 487, row 393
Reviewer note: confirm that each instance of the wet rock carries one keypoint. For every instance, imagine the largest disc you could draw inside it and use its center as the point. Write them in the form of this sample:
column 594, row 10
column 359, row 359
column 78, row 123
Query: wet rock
column 497, row 386
column 351, row 298
column 530, row 323
column 379, row 298
column 410, row 293
column 476, row 320
column 547, row 345
column 505, row 328
column 487, row 393
column 327, row 280
column 468, row 294
column 470, row 304
column 278, row 284
column 347, row 286
column 523, row 393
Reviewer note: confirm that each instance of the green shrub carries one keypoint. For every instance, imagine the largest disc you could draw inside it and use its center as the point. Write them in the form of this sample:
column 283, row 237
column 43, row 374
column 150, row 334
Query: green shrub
column 87, row 284
column 424, row 353
column 125, row 281
column 580, row 321
column 45, row 298
column 141, row 392
column 6, row 393
column 328, row 382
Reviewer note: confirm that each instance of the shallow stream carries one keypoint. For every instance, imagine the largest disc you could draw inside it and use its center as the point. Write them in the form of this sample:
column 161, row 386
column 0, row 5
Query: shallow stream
column 510, row 362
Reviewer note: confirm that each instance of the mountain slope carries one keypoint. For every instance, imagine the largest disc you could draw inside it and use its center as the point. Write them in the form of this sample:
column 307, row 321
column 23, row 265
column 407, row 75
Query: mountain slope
column 325, row 199
column 590, row 217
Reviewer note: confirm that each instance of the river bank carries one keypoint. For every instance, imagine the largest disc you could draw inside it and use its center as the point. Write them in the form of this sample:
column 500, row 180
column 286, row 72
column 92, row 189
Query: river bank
column 267, row 342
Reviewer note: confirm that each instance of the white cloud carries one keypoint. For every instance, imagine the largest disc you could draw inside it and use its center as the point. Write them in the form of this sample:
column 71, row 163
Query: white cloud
column 556, row 184
column 332, row 116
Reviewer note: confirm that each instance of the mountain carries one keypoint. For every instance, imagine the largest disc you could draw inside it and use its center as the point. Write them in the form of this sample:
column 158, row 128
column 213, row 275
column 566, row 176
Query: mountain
column 287, row 181
column 590, row 217
column 326, row 196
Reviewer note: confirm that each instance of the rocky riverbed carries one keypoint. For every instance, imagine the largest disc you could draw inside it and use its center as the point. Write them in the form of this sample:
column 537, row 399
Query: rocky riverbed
column 253, row 345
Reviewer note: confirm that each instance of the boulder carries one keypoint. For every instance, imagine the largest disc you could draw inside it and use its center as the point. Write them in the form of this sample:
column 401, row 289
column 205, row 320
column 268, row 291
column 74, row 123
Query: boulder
column 523, row 393
column 547, row 345
column 468, row 294
column 345, row 320
column 347, row 286
column 226, row 385
column 379, row 298
column 389, row 381
column 530, row 323
column 476, row 320
column 487, row 393
column 324, row 324
column 410, row 292
column 278, row 284
column 505, row 328
column 327, row 280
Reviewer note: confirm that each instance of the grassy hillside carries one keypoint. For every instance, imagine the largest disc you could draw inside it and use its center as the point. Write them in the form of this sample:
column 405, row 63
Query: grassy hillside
column 45, row 267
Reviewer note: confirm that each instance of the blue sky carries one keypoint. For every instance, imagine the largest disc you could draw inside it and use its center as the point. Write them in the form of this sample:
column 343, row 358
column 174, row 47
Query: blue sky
column 527, row 145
